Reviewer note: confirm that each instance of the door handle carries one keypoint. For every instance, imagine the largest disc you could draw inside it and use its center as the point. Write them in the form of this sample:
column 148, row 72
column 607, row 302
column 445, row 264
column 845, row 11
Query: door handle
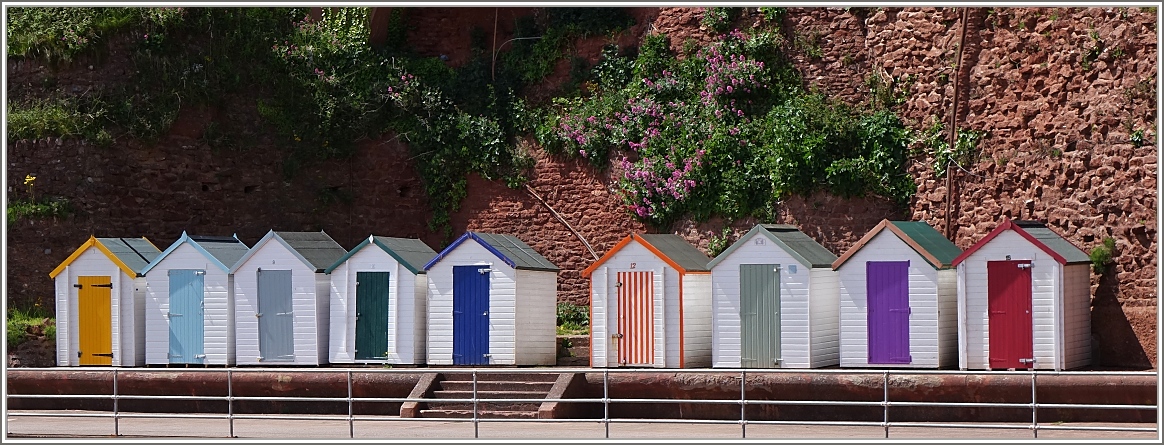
column 485, row 313
column 616, row 336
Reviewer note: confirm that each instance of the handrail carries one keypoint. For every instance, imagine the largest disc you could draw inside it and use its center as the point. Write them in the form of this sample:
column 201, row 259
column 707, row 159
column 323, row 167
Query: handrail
column 476, row 399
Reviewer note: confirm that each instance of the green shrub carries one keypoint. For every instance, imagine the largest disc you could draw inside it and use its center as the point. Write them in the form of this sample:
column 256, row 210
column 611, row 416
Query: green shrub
column 573, row 319
column 20, row 319
column 1101, row 255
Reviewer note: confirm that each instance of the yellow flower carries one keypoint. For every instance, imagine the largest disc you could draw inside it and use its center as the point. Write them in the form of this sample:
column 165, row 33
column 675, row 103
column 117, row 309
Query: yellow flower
column 28, row 179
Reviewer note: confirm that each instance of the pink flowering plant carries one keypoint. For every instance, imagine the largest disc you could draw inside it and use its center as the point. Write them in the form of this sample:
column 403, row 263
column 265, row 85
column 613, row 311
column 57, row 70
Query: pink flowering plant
column 728, row 130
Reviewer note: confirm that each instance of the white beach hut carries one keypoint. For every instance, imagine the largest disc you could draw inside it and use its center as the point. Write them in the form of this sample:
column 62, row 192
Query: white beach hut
column 899, row 297
column 1024, row 300
column 100, row 305
column 775, row 301
column 650, row 304
column 281, row 299
column 492, row 300
column 190, row 302
column 378, row 300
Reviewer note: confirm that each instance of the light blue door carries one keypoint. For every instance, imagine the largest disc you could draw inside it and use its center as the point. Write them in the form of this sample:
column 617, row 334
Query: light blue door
column 187, row 323
column 276, row 320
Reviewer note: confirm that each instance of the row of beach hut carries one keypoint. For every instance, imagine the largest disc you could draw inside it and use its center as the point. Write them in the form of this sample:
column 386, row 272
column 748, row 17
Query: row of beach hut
column 902, row 296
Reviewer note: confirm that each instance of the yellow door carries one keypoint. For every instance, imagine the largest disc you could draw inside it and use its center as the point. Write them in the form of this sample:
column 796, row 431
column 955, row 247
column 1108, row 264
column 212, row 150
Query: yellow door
column 94, row 323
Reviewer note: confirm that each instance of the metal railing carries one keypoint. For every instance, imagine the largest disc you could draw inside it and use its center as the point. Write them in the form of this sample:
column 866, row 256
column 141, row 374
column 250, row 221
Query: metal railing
column 606, row 400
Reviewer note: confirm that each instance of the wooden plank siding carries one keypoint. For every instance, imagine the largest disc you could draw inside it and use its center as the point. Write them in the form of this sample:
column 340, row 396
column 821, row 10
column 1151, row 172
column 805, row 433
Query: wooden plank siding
column 502, row 290
column 218, row 330
column 308, row 320
column 536, row 318
column 924, row 300
column 406, row 300
column 126, row 321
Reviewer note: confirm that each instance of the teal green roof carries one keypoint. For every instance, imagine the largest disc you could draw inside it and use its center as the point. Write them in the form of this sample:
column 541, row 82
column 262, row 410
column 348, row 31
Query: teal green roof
column 1053, row 241
column 930, row 240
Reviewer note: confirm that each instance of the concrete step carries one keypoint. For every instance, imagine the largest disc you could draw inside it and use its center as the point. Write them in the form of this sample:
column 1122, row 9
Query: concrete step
column 483, row 402
column 543, row 387
column 465, row 414
column 501, row 377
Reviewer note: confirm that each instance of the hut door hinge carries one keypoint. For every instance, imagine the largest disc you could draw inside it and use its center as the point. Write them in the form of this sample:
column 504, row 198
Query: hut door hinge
column 484, row 271
column 110, row 355
column 1024, row 266
column 78, row 285
column 109, row 285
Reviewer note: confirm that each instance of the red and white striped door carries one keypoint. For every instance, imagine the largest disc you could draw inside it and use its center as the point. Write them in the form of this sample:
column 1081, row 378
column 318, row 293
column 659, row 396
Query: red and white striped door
column 636, row 315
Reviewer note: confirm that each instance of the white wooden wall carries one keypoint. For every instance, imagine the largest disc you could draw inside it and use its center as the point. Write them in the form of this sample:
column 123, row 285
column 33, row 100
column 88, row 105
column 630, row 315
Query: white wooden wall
column 794, row 304
column 696, row 320
column 502, row 290
column 1076, row 316
column 127, row 311
column 219, row 349
column 604, row 304
column 824, row 318
column 404, row 298
column 309, row 322
column 536, row 318
column 923, row 302
column 1046, row 272
column 947, row 318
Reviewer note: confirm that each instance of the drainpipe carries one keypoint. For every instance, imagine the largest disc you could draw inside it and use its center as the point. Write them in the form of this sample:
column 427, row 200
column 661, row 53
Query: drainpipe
column 563, row 221
column 954, row 122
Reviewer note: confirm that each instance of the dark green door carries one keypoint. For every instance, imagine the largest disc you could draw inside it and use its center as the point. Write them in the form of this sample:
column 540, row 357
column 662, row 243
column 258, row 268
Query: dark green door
column 759, row 315
column 371, row 315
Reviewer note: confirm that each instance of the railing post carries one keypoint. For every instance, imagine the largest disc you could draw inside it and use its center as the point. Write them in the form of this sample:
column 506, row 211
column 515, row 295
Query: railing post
column 476, row 421
column 351, row 425
column 230, row 400
column 1034, row 403
column 116, row 430
column 606, row 400
column 885, row 404
column 743, row 405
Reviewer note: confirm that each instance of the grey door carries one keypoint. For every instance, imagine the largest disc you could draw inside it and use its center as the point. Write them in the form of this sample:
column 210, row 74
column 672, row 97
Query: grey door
column 276, row 319
column 759, row 315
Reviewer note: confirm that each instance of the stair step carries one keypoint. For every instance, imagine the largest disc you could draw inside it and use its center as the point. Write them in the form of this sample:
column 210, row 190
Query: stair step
column 491, row 414
column 501, row 377
column 496, row 386
column 484, row 402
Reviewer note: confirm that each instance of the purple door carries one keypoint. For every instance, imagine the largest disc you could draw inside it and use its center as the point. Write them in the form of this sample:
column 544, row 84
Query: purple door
column 887, row 283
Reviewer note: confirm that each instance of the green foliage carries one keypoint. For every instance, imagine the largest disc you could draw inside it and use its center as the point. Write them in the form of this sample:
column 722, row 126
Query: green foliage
column 1137, row 138
column 573, row 319
column 60, row 117
column 727, row 131
column 47, row 207
column 19, row 320
column 1101, row 255
column 61, row 34
column 887, row 92
column 964, row 152
column 773, row 14
column 720, row 19
column 719, row 243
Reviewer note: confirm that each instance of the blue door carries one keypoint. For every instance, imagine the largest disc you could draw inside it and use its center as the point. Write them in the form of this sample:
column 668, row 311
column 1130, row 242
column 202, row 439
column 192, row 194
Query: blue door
column 888, row 318
column 187, row 335
column 276, row 319
column 471, row 315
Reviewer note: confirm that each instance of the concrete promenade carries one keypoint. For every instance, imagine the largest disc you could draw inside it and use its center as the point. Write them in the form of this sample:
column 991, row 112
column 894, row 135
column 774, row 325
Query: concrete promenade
column 317, row 428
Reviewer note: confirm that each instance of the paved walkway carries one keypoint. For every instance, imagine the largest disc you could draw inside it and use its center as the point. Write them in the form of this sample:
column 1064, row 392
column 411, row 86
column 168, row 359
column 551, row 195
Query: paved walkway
column 337, row 428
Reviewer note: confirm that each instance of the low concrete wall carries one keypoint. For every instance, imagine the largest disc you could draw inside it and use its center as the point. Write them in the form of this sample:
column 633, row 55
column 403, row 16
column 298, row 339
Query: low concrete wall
column 1061, row 388
column 194, row 383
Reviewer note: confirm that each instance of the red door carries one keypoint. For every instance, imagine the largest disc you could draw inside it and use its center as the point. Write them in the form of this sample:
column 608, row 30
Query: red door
column 636, row 318
column 1009, row 302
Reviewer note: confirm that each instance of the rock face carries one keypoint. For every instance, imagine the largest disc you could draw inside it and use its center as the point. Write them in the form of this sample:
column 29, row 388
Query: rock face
column 1062, row 93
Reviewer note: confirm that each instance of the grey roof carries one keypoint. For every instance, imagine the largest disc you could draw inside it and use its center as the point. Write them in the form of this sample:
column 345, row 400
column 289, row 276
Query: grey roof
column 678, row 250
column 412, row 253
column 789, row 238
column 316, row 248
column 521, row 254
column 1054, row 241
column 226, row 249
column 799, row 243
column 137, row 253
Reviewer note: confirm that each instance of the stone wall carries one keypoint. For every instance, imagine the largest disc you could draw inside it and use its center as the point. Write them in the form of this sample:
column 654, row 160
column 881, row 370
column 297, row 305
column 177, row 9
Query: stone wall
column 1058, row 150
